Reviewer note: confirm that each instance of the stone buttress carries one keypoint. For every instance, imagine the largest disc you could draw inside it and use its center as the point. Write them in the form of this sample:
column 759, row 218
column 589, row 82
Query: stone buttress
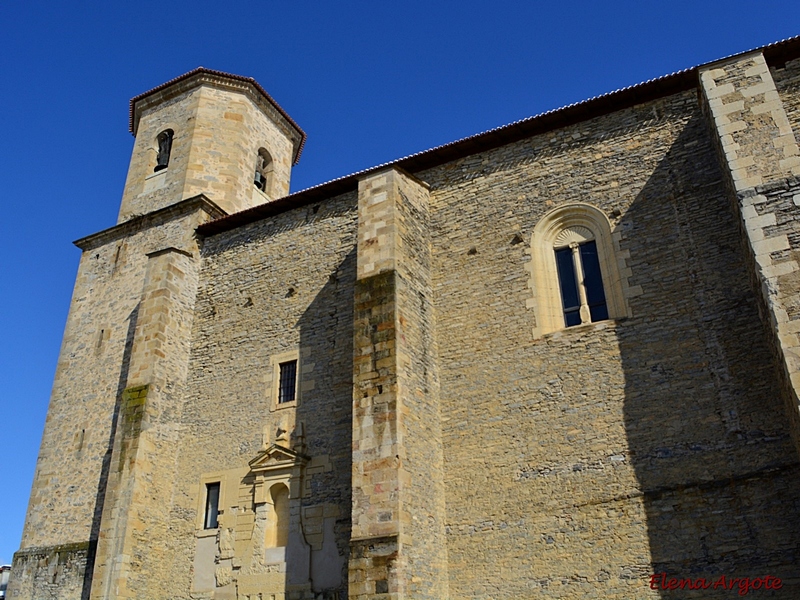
column 140, row 478
column 102, row 475
column 398, row 547
column 760, row 155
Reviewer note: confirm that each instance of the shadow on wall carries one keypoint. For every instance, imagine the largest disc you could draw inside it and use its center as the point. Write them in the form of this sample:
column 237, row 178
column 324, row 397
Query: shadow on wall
column 102, row 484
column 281, row 532
column 325, row 411
column 705, row 421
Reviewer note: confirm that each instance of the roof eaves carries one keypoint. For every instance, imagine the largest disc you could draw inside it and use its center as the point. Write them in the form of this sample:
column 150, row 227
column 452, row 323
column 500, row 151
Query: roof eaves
column 652, row 89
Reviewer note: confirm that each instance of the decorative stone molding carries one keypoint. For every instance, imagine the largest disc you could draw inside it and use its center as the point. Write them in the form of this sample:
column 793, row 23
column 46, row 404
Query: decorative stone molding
column 561, row 227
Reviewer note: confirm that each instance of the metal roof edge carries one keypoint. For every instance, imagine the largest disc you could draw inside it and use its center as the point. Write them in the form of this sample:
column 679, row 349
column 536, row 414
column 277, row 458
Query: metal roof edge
column 646, row 91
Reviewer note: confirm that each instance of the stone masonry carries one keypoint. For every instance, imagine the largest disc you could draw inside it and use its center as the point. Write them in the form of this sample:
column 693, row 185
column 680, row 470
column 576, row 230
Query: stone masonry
column 397, row 544
column 366, row 390
column 761, row 156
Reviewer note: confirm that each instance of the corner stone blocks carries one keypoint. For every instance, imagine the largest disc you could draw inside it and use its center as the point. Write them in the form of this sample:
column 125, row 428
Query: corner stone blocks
column 754, row 131
column 398, row 497
column 760, row 154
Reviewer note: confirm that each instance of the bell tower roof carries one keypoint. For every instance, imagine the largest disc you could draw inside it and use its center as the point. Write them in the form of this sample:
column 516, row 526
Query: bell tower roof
column 202, row 76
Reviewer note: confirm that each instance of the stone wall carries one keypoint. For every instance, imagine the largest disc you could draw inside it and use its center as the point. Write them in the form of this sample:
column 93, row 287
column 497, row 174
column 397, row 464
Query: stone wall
column 51, row 573
column 423, row 504
column 579, row 462
column 398, row 547
column 134, row 523
column 441, row 443
column 144, row 189
column 759, row 155
column 787, row 83
column 70, row 486
column 271, row 288
column 217, row 135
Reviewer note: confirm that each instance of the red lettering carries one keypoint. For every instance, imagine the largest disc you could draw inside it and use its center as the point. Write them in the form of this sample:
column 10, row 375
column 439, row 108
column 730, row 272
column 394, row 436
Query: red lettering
column 743, row 585
column 701, row 584
column 697, row 584
column 672, row 584
column 654, row 580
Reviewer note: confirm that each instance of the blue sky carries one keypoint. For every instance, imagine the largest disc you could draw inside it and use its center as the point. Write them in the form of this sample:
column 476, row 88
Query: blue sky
column 368, row 82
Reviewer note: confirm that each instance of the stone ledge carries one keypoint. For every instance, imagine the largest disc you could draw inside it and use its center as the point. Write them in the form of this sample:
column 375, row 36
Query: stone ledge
column 157, row 217
column 58, row 548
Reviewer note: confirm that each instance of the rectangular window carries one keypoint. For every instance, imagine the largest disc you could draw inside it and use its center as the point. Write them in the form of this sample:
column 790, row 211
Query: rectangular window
column 212, row 506
column 288, row 382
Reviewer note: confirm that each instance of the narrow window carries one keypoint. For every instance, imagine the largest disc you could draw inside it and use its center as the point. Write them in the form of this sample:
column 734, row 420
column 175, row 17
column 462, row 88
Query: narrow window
column 263, row 173
column 581, row 282
column 164, row 140
column 569, row 287
column 593, row 282
column 288, row 384
column 212, row 506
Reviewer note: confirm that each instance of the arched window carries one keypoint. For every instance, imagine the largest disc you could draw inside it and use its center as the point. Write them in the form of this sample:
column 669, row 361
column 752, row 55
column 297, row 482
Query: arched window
column 164, row 141
column 574, row 267
column 263, row 174
column 278, row 525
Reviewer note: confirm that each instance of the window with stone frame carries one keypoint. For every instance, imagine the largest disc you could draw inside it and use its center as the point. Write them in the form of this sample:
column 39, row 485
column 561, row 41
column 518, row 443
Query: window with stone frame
column 287, row 387
column 284, row 387
column 210, row 520
column 574, row 268
column 164, row 142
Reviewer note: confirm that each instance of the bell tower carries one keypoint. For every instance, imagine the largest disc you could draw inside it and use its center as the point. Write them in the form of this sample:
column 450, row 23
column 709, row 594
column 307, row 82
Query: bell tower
column 207, row 144
column 209, row 133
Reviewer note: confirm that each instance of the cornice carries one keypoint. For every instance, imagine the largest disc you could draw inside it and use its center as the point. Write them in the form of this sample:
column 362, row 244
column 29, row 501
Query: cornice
column 152, row 219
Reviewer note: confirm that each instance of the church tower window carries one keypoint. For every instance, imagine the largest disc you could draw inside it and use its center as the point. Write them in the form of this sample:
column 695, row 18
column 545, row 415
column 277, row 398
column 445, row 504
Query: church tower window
column 262, row 178
column 164, row 140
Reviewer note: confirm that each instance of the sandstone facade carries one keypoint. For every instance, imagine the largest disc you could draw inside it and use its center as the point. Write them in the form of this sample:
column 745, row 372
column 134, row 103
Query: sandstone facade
column 367, row 390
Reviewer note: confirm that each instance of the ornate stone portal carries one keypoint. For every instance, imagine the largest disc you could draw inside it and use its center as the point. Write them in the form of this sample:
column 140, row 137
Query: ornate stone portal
column 267, row 545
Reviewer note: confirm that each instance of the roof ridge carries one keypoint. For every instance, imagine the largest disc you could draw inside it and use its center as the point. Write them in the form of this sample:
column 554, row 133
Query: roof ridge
column 594, row 106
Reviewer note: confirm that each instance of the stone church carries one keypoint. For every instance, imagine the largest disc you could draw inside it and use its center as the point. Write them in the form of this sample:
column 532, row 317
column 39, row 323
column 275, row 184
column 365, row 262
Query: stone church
column 558, row 359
